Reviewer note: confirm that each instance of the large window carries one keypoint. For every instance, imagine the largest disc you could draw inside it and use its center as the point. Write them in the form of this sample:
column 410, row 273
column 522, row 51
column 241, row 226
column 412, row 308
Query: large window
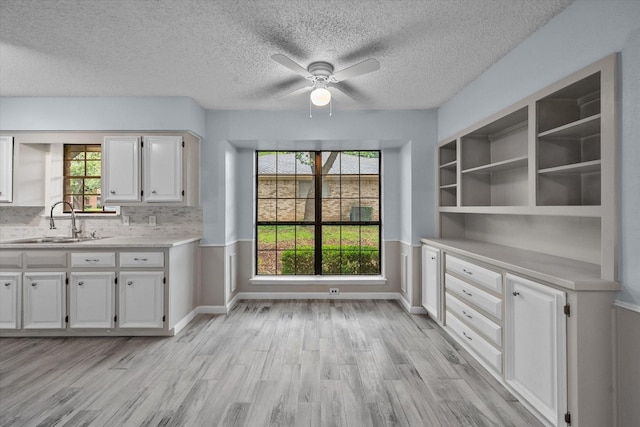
column 318, row 212
column 82, row 177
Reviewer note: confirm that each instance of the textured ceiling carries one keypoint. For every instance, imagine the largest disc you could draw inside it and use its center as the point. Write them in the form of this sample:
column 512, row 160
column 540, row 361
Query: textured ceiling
column 218, row 51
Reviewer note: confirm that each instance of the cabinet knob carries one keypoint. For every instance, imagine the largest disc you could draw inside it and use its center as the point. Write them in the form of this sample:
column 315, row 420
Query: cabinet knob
column 34, row 283
column 130, row 282
column 154, row 192
column 7, row 284
column 80, row 283
column 516, row 293
column 433, row 257
column 112, row 192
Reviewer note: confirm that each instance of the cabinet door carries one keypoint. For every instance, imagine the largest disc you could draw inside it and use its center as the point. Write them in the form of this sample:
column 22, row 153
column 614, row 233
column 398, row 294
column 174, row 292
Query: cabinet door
column 121, row 169
column 535, row 346
column 431, row 292
column 6, row 169
column 44, row 300
column 10, row 303
column 92, row 300
column 141, row 302
column 163, row 168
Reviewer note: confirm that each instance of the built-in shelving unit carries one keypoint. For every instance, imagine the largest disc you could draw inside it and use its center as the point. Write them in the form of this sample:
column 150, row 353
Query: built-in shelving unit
column 551, row 155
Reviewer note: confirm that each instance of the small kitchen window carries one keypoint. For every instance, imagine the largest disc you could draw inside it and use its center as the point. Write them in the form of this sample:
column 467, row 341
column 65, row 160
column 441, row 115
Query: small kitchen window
column 82, row 178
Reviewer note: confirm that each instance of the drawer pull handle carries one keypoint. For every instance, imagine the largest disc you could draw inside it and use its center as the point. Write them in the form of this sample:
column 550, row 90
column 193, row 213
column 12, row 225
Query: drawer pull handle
column 91, row 260
column 467, row 293
column 467, row 271
column 141, row 259
column 465, row 313
column 467, row 336
column 7, row 284
column 516, row 293
column 130, row 282
column 80, row 283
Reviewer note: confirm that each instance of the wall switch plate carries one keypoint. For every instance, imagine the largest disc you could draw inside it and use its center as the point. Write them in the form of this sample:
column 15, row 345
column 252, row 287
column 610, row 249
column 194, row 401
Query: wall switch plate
column 334, row 291
column 152, row 220
column 125, row 219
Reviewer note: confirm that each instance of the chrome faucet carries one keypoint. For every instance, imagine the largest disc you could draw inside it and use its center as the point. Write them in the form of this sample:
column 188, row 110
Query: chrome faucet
column 75, row 232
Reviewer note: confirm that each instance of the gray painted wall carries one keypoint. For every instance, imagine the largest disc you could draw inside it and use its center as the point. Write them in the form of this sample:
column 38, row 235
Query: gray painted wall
column 583, row 33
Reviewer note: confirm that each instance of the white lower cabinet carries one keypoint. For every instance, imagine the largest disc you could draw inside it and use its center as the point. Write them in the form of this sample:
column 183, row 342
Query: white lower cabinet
column 431, row 283
column 141, row 299
column 44, row 300
column 92, row 300
column 10, row 300
column 535, row 346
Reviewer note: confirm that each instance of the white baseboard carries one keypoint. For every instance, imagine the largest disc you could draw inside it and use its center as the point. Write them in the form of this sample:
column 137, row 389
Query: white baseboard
column 212, row 309
column 232, row 303
column 185, row 321
column 316, row 295
column 408, row 308
column 628, row 306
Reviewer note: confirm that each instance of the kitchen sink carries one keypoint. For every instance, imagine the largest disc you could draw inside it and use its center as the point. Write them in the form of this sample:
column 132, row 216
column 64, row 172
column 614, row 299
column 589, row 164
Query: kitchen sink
column 52, row 239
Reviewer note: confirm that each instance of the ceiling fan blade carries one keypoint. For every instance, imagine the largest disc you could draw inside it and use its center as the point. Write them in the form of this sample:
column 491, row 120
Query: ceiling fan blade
column 364, row 67
column 340, row 95
column 290, row 64
column 302, row 87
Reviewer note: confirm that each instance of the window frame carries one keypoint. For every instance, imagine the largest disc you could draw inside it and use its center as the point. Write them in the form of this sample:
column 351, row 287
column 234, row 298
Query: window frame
column 66, row 178
column 318, row 223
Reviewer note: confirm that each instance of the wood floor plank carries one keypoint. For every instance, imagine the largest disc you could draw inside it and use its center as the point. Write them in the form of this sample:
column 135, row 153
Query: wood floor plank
column 266, row 363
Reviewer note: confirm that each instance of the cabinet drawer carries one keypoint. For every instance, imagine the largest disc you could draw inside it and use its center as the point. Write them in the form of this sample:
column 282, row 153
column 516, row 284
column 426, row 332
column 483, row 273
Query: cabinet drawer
column 10, row 259
column 486, row 351
column 475, row 319
column 93, row 259
column 470, row 293
column 42, row 259
column 482, row 276
column 141, row 259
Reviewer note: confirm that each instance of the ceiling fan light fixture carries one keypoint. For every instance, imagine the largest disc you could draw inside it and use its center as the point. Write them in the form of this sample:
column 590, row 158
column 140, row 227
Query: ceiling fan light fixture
column 320, row 96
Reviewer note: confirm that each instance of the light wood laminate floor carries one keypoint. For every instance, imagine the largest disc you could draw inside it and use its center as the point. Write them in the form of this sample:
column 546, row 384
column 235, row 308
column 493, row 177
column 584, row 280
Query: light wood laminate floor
column 278, row 363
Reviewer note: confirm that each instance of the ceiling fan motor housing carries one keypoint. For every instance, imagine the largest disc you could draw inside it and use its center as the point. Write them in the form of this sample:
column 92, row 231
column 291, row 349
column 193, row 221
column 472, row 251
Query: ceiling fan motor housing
column 321, row 70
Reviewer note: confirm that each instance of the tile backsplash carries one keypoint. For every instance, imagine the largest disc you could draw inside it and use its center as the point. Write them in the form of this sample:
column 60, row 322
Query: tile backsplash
column 20, row 222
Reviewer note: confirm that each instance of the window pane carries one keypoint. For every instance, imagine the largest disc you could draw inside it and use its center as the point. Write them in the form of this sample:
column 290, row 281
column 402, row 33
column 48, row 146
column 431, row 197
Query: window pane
column 350, row 236
column 75, row 200
column 331, row 261
column 93, row 168
column 266, row 237
column 305, row 210
column 266, row 187
column 74, row 152
column 92, row 203
column 306, row 187
column 370, row 237
column 369, row 187
column 331, row 236
column 330, row 209
column 286, row 210
column 92, row 186
column 286, row 187
column 266, row 262
column 286, row 236
column 74, row 168
column 350, row 187
column 73, row 186
column 305, row 163
column 266, row 209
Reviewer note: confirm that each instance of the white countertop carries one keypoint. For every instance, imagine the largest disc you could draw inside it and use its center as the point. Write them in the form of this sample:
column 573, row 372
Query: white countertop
column 562, row 272
column 109, row 242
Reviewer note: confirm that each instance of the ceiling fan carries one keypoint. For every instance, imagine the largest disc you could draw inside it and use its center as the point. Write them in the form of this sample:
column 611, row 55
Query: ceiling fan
column 321, row 78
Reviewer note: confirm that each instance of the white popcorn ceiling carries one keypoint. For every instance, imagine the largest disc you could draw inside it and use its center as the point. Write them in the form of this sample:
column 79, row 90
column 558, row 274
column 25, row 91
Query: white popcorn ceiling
column 218, row 51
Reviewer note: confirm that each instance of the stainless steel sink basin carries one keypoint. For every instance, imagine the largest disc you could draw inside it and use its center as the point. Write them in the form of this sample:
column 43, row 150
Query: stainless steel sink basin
column 53, row 239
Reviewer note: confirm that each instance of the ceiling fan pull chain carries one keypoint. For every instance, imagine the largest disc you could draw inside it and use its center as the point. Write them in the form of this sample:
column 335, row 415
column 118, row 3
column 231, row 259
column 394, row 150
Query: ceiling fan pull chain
column 310, row 116
column 330, row 107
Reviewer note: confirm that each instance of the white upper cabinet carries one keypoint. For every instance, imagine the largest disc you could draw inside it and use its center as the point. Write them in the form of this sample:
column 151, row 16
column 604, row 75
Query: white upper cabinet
column 6, row 169
column 147, row 170
column 121, row 169
column 163, row 168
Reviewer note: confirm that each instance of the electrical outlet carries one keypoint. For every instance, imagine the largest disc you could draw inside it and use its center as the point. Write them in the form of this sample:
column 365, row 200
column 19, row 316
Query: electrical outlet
column 125, row 219
column 334, row 291
column 152, row 220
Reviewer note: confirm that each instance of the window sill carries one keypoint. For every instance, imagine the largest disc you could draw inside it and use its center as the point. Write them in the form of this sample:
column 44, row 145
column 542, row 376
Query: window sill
column 318, row 280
